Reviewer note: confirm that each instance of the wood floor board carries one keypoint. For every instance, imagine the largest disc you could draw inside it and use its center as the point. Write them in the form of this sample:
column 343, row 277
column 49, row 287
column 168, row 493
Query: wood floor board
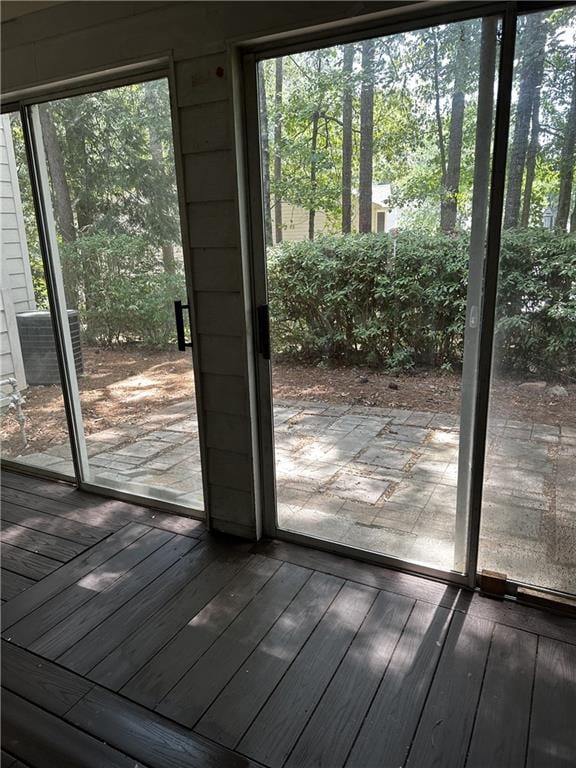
column 57, row 608
column 63, row 508
column 238, row 704
column 101, row 641
column 58, row 526
column 330, row 732
column 552, row 739
column 25, row 563
column 364, row 573
column 194, row 693
column 45, row 740
column 505, row 700
column 111, row 511
column 163, row 670
column 103, row 604
column 130, row 656
column 38, row 541
column 70, row 573
column 509, row 612
column 13, row 584
column 47, row 685
column 444, row 731
column 400, row 698
column 148, row 736
column 277, row 727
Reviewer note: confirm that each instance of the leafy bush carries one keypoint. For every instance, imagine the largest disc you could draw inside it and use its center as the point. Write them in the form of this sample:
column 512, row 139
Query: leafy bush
column 536, row 313
column 118, row 284
column 368, row 299
column 399, row 303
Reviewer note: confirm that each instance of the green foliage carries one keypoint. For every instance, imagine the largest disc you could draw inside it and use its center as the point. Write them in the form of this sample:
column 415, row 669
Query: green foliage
column 400, row 303
column 121, row 290
column 536, row 315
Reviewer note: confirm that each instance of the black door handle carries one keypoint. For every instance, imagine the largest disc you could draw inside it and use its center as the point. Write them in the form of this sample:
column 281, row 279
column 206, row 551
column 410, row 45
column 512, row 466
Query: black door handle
column 263, row 316
column 182, row 343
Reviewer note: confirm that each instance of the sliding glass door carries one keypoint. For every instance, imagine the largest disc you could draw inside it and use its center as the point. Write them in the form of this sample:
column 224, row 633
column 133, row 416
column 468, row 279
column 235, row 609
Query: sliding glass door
column 106, row 197
column 382, row 237
column 376, row 167
column 528, row 527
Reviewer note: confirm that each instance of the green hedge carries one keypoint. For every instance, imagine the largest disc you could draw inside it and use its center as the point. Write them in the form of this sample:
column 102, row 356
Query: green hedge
column 399, row 303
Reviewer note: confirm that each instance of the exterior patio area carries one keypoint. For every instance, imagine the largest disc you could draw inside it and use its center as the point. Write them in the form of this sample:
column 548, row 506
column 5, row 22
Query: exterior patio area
column 379, row 479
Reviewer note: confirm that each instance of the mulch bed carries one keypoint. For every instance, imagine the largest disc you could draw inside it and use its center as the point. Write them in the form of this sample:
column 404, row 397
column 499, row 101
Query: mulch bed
column 123, row 385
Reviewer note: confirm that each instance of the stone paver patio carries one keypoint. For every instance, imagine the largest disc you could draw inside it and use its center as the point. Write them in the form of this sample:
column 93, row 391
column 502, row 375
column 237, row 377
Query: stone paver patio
column 376, row 478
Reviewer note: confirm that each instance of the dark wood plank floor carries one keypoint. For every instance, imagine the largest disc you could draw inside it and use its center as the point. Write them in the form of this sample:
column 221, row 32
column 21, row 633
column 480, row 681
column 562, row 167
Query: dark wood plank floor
column 160, row 644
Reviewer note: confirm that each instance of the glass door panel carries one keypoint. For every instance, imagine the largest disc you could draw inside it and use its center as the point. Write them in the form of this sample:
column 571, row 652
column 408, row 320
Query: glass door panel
column 375, row 164
column 33, row 423
column 108, row 157
column 528, row 526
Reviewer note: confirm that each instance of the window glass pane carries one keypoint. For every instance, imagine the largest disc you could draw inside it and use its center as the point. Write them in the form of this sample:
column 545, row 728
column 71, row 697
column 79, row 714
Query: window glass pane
column 529, row 504
column 110, row 163
column 33, row 421
column 376, row 161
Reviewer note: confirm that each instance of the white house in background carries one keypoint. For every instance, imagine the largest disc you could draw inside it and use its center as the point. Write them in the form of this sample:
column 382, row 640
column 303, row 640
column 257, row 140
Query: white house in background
column 295, row 219
column 16, row 288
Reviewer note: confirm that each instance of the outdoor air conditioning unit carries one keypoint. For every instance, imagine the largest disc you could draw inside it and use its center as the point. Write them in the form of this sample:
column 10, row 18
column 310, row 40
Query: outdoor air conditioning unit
column 39, row 346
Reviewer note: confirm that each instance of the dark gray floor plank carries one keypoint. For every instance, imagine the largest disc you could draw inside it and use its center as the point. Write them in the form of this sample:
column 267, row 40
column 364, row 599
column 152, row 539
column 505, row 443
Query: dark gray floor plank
column 552, row 739
column 276, row 729
column 76, row 625
column 71, row 572
column 29, row 564
column 58, row 526
column 61, row 605
column 45, row 684
column 507, row 612
column 101, row 641
column 170, row 663
column 37, row 541
column 194, row 693
column 363, row 573
column 46, row 741
column 126, row 659
column 109, row 511
column 443, row 734
column 393, row 716
column 241, row 700
column 13, row 584
column 63, row 508
column 501, row 729
column 330, row 732
column 147, row 736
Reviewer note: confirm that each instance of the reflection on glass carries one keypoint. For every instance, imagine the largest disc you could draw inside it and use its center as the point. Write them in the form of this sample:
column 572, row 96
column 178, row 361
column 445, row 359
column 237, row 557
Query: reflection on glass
column 529, row 508
column 109, row 160
column 33, row 422
column 376, row 159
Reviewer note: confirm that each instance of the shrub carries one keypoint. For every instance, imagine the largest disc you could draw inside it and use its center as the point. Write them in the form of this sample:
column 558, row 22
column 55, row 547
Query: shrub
column 118, row 284
column 400, row 302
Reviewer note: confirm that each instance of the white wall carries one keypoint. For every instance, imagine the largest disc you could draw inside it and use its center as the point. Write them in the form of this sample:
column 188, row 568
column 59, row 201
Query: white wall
column 16, row 290
column 76, row 38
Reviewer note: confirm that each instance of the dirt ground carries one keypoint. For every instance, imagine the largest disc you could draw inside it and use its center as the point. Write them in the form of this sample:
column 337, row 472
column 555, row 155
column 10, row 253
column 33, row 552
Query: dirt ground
column 122, row 386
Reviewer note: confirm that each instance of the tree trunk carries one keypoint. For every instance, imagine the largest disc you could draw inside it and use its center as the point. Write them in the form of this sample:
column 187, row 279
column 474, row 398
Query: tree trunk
column 567, row 163
column 347, row 91
column 573, row 220
column 533, row 147
column 436, row 74
column 278, row 224
column 167, row 248
column 449, row 202
column 63, row 210
column 366, row 137
column 265, row 161
column 534, row 37
column 313, row 181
